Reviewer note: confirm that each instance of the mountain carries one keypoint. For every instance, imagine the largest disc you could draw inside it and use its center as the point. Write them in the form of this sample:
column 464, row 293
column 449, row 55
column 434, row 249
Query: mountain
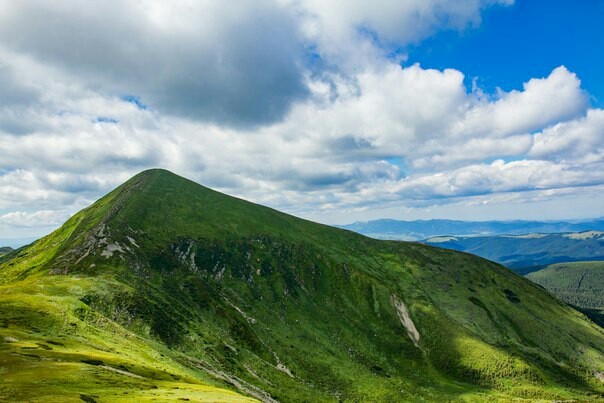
column 164, row 289
column 529, row 252
column 579, row 283
column 422, row 229
column 5, row 249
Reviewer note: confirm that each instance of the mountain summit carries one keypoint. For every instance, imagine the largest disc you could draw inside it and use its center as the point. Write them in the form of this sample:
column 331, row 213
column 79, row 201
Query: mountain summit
column 167, row 289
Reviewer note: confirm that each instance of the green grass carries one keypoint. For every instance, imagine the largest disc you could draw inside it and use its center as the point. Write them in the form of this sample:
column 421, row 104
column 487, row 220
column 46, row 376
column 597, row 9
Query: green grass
column 187, row 288
column 54, row 348
column 578, row 283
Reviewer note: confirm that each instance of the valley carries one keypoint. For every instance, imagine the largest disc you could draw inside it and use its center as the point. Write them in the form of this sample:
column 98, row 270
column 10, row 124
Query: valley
column 529, row 252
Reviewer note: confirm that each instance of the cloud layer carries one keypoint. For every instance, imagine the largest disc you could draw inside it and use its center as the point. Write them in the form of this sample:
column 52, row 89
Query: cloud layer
column 303, row 105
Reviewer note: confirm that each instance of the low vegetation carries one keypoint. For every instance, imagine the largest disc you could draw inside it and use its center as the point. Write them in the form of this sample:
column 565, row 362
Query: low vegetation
column 578, row 283
column 165, row 290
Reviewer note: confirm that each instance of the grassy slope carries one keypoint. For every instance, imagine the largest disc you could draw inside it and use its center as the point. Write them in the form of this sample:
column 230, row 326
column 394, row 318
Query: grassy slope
column 53, row 347
column 578, row 283
column 178, row 280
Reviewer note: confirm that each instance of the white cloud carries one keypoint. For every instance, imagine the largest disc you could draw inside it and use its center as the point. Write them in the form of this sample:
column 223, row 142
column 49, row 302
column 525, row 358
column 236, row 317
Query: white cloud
column 542, row 102
column 580, row 140
column 344, row 31
column 242, row 63
column 331, row 152
column 430, row 119
column 236, row 64
column 352, row 132
column 498, row 177
column 43, row 218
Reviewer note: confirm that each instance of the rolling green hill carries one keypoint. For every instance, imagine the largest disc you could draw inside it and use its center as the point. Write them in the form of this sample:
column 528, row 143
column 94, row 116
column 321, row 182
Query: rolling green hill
column 578, row 283
column 164, row 289
column 529, row 252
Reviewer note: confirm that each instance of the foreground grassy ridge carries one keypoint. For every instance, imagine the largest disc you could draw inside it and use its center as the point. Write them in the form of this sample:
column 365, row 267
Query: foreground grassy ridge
column 54, row 348
column 171, row 278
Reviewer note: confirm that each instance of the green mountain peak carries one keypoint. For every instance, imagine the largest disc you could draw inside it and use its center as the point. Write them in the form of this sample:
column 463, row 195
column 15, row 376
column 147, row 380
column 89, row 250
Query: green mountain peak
column 176, row 285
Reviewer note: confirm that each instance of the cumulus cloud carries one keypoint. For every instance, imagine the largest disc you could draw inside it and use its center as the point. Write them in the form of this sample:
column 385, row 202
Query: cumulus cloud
column 428, row 117
column 580, row 140
column 43, row 218
column 344, row 32
column 14, row 92
column 238, row 64
column 295, row 104
column 496, row 177
column 542, row 101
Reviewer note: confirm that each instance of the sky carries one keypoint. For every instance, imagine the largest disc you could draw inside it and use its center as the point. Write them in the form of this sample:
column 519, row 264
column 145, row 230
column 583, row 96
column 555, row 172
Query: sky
column 336, row 111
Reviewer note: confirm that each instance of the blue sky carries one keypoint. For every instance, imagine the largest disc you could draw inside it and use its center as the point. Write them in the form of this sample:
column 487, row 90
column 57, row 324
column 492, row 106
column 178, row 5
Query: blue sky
column 335, row 111
column 528, row 39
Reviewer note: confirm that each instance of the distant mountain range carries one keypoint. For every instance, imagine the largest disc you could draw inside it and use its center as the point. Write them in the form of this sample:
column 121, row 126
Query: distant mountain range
column 422, row 229
column 15, row 243
column 529, row 252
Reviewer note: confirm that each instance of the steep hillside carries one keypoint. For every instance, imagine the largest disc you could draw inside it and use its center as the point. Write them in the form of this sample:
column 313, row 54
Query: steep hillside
column 529, row 252
column 578, row 283
column 167, row 289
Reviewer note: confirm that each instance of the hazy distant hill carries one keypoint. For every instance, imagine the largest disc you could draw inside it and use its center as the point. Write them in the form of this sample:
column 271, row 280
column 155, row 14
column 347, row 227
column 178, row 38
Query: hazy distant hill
column 578, row 283
column 5, row 249
column 422, row 229
column 166, row 290
column 528, row 252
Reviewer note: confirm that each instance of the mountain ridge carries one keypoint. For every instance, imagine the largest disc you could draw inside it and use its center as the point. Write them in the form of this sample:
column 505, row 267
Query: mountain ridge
column 5, row 250
column 224, row 294
column 529, row 252
column 416, row 230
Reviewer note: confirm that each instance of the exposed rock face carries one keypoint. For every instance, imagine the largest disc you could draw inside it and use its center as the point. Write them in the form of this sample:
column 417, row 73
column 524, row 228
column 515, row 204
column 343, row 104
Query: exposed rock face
column 403, row 314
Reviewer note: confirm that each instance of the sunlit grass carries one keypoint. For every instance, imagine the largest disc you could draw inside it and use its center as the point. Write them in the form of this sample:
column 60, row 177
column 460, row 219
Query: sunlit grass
column 211, row 296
